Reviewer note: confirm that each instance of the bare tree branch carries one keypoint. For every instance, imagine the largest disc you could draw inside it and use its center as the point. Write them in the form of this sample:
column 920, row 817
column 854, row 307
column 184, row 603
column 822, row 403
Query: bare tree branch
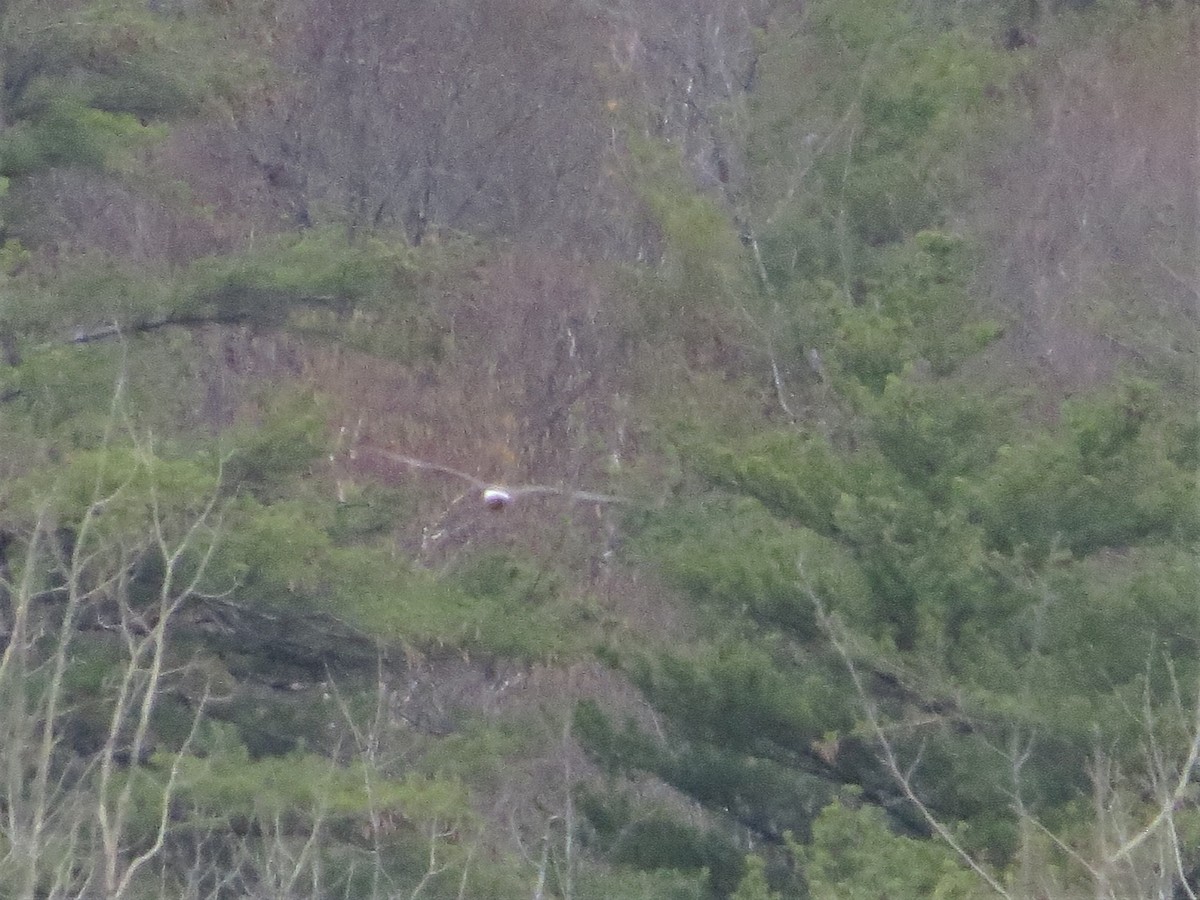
column 902, row 778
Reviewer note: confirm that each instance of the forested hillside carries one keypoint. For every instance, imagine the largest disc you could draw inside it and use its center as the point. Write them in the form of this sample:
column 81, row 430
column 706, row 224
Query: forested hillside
column 831, row 370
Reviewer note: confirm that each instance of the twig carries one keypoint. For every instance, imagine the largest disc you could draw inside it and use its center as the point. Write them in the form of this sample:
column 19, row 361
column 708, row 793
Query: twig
column 1166, row 808
column 890, row 760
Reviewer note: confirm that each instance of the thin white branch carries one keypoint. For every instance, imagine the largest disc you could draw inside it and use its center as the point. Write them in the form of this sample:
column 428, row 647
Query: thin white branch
column 892, row 763
column 1167, row 806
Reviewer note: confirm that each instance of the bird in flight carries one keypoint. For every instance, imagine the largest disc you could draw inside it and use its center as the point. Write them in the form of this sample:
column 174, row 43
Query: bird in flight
column 498, row 497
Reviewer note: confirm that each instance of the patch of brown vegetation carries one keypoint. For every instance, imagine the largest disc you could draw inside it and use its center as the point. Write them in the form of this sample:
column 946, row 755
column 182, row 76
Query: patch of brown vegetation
column 530, row 390
column 1094, row 224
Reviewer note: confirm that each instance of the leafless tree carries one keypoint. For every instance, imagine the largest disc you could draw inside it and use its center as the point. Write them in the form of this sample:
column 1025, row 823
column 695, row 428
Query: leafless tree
column 1100, row 204
column 445, row 116
column 67, row 820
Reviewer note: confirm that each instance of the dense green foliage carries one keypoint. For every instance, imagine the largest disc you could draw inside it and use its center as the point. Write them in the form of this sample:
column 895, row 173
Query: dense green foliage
column 855, row 855
column 894, row 602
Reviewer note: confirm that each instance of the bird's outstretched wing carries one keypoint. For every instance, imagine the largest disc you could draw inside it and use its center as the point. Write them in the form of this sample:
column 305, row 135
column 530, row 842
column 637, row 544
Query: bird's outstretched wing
column 582, row 496
column 512, row 491
column 414, row 463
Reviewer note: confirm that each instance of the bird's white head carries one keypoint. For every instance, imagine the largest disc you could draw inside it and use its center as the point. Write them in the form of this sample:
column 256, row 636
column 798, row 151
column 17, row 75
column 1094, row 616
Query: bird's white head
column 496, row 498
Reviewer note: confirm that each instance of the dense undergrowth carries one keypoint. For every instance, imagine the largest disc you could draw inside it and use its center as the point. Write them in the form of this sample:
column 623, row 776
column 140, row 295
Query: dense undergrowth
column 879, row 320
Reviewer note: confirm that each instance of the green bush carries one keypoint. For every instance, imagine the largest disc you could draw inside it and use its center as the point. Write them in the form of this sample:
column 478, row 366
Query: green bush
column 793, row 476
column 1104, row 480
column 854, row 855
column 652, row 840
